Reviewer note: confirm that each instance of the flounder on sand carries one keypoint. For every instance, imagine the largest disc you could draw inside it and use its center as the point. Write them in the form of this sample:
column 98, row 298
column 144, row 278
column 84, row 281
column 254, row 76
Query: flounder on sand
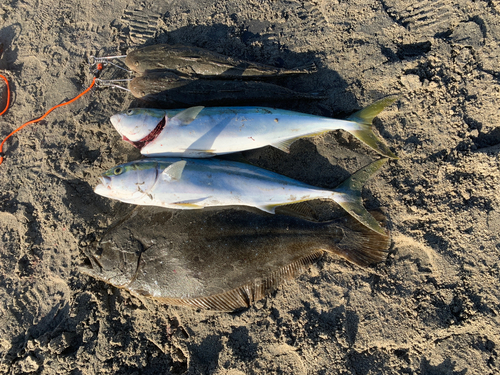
column 221, row 260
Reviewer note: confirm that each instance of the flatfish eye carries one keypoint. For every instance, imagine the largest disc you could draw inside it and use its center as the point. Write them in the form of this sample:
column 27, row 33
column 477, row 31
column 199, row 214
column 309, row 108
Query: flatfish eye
column 130, row 112
column 118, row 171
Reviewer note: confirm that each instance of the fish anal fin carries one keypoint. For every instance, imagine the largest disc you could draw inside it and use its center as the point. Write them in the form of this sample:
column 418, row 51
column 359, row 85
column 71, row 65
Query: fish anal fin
column 247, row 294
column 174, row 171
column 303, row 210
column 269, row 208
column 187, row 116
column 200, row 153
column 284, row 145
column 187, row 205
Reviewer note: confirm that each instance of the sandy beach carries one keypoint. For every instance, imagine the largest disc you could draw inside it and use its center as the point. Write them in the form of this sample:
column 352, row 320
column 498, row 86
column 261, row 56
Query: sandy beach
column 432, row 308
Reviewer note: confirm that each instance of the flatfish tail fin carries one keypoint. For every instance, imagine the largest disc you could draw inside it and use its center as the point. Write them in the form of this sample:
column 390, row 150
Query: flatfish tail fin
column 308, row 68
column 361, row 245
column 364, row 120
column 245, row 295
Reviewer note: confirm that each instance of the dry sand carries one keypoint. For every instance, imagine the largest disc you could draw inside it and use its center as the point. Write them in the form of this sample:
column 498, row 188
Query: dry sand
column 432, row 308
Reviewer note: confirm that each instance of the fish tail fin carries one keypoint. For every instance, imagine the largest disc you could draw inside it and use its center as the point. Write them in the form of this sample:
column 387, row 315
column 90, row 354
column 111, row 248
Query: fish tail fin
column 307, row 68
column 348, row 195
column 361, row 245
column 364, row 119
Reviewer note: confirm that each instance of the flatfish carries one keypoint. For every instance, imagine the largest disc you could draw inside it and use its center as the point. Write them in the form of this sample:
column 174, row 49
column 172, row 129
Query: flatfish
column 222, row 260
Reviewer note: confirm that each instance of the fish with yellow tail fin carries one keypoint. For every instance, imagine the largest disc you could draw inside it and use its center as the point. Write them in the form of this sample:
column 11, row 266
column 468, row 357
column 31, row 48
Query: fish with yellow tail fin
column 200, row 183
column 202, row 132
column 221, row 260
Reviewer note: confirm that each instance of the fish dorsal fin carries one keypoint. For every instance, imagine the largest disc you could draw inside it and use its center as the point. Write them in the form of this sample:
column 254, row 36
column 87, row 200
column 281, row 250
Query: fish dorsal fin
column 174, row 171
column 187, row 116
column 248, row 293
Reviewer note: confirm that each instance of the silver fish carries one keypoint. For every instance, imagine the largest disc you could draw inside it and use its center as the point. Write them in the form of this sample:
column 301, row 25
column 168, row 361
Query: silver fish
column 199, row 183
column 203, row 132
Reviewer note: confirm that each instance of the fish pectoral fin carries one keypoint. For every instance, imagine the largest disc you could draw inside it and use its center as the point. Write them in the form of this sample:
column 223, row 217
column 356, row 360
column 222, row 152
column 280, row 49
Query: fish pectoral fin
column 190, row 203
column 174, row 171
column 187, row 116
column 270, row 208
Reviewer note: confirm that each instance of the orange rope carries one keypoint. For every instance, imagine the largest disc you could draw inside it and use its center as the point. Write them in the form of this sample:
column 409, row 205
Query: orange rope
column 40, row 118
column 8, row 95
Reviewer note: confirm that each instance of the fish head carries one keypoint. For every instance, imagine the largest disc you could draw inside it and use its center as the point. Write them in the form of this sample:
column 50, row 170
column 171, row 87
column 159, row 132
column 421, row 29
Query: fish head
column 115, row 260
column 128, row 182
column 135, row 124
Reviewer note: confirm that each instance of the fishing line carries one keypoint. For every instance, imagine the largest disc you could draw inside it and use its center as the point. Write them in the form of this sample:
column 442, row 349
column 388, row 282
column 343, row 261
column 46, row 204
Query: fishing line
column 40, row 118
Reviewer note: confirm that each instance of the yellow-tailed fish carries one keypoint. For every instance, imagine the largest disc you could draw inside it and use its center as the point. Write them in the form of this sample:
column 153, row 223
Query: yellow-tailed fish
column 201, row 132
column 199, row 183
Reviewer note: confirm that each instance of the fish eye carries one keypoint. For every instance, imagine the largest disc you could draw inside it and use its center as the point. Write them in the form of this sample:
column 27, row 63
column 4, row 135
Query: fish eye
column 118, row 171
column 130, row 112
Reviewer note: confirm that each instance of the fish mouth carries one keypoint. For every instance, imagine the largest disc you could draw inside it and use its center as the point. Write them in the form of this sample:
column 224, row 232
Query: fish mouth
column 104, row 187
column 115, row 121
